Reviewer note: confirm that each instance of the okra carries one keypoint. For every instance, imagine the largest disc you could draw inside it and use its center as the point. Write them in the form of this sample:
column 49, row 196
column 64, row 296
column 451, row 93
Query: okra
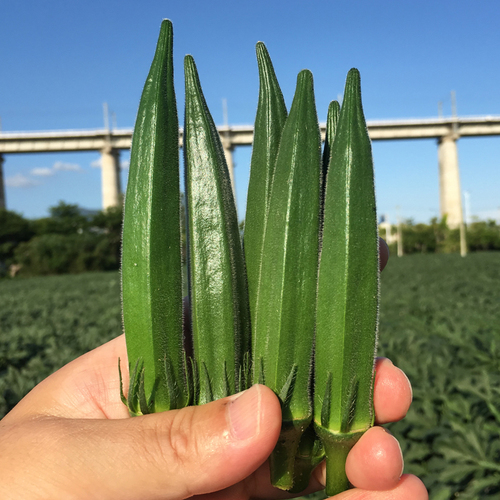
column 283, row 321
column 220, row 315
column 151, row 252
column 348, row 292
column 310, row 451
column 269, row 122
column 332, row 119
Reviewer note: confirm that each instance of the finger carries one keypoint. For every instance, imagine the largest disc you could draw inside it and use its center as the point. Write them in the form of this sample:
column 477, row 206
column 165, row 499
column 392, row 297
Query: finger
column 392, row 398
column 169, row 455
column 409, row 487
column 383, row 252
column 392, row 393
column 376, row 461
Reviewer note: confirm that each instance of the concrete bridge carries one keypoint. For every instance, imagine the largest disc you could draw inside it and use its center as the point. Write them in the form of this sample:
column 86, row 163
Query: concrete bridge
column 109, row 143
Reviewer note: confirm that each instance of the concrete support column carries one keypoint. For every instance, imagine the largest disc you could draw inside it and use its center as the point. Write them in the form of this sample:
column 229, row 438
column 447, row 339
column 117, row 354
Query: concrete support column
column 449, row 181
column 2, row 186
column 110, row 175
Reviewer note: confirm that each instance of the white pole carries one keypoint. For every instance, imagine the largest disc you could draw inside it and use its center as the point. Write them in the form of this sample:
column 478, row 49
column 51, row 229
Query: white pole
column 467, row 215
column 399, row 235
column 106, row 115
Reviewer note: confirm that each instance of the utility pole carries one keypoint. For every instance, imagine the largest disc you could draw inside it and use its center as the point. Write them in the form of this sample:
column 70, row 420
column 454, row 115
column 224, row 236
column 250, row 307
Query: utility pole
column 399, row 235
column 106, row 115
column 224, row 112
column 463, row 227
column 467, row 214
column 463, row 240
column 454, row 111
column 454, row 104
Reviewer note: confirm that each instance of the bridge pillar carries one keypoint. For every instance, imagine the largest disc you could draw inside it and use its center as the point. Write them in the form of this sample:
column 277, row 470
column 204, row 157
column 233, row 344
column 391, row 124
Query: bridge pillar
column 449, row 181
column 2, row 187
column 110, row 175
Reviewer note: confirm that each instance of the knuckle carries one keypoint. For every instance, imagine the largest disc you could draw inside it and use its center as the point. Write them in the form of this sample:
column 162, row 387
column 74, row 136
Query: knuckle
column 180, row 439
column 172, row 441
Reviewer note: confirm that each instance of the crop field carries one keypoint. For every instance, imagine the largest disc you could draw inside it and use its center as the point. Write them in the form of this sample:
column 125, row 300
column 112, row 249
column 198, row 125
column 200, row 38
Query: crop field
column 440, row 322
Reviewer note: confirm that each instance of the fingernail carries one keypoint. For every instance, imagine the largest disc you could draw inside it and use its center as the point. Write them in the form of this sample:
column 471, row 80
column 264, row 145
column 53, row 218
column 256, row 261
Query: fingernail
column 244, row 414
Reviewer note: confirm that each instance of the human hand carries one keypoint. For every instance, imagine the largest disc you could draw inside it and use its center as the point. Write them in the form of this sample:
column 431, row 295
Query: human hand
column 72, row 438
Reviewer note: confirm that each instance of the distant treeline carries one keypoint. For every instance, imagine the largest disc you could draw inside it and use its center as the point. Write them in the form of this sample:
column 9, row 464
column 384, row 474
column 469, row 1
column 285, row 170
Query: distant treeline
column 437, row 237
column 74, row 240
column 70, row 240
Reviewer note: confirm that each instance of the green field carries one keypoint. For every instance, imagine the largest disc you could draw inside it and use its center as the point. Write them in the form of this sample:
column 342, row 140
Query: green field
column 440, row 322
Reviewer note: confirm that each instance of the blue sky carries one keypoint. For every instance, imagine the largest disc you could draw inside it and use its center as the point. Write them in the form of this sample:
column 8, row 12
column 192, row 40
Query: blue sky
column 60, row 61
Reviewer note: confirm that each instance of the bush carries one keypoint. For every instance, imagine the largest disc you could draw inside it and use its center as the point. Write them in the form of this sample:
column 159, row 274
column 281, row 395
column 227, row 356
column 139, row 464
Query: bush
column 14, row 229
column 71, row 240
column 437, row 237
column 58, row 254
column 483, row 236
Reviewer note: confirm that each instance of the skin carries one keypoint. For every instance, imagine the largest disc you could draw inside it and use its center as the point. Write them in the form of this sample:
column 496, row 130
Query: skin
column 71, row 437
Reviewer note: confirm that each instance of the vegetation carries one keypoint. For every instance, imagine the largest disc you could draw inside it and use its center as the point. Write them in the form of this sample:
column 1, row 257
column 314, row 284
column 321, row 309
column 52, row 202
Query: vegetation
column 437, row 237
column 68, row 241
column 439, row 322
column 47, row 322
column 71, row 241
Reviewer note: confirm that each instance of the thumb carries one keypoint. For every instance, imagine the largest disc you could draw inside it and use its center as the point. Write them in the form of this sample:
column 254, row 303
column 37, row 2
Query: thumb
column 179, row 453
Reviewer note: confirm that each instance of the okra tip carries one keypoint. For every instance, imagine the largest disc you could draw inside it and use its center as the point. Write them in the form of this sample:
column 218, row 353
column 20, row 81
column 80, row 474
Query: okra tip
column 166, row 23
column 353, row 84
column 261, row 50
column 353, row 73
column 190, row 70
column 334, row 109
column 305, row 77
column 166, row 30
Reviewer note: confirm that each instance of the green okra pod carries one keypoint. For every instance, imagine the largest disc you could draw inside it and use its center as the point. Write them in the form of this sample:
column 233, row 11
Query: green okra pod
column 283, row 320
column 332, row 119
column 269, row 122
column 348, row 292
column 310, row 451
column 151, row 253
column 220, row 316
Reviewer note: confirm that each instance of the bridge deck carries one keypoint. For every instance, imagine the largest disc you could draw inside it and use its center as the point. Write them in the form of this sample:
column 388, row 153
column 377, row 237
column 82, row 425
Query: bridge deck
column 242, row 135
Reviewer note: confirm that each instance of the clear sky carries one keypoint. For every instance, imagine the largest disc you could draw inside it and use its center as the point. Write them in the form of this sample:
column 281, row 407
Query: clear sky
column 60, row 61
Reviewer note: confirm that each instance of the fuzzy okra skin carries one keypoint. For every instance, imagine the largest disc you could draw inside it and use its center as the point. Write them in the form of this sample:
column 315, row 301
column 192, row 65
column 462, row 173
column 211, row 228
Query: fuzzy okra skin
column 332, row 120
column 220, row 315
column 269, row 122
column 348, row 292
column 151, row 249
column 283, row 320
